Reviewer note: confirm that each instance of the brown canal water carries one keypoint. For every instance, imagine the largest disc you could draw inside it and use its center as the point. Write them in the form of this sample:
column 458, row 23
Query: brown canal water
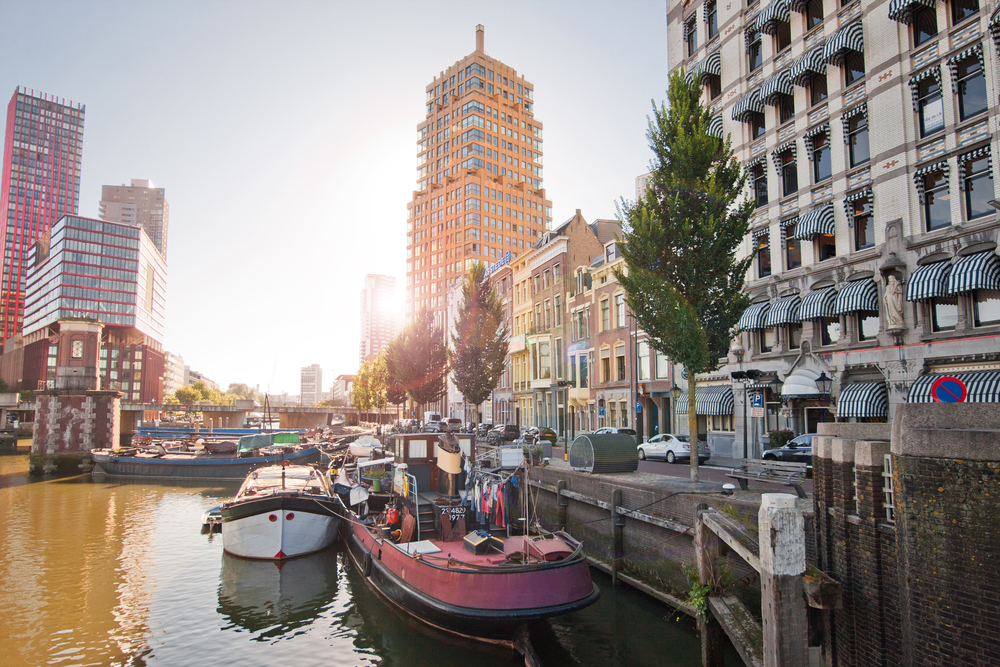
column 118, row 573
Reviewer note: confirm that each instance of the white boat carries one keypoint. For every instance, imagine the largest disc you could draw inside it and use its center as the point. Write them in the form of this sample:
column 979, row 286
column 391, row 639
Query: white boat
column 280, row 512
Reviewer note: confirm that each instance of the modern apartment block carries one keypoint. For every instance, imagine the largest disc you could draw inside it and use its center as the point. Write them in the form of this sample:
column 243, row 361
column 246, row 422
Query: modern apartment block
column 173, row 372
column 479, row 187
column 378, row 315
column 867, row 132
column 311, row 385
column 138, row 204
column 92, row 270
column 43, row 148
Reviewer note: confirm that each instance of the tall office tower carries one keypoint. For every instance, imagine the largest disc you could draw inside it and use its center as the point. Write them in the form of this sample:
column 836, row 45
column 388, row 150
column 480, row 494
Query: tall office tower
column 43, row 146
column 138, row 204
column 310, row 385
column 479, row 188
column 378, row 321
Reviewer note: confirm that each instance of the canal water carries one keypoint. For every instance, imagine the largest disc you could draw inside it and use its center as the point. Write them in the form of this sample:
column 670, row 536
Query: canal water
column 118, row 573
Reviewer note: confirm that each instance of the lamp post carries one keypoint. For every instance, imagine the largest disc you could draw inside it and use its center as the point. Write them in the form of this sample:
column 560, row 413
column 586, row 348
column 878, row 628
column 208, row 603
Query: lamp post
column 824, row 384
column 675, row 393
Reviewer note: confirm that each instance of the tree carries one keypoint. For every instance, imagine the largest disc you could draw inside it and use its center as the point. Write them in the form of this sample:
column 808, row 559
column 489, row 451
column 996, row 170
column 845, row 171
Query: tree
column 369, row 392
column 683, row 281
column 418, row 360
column 479, row 342
column 187, row 395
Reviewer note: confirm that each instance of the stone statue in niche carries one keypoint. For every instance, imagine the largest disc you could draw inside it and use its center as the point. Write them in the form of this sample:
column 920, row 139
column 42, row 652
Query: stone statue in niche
column 894, row 303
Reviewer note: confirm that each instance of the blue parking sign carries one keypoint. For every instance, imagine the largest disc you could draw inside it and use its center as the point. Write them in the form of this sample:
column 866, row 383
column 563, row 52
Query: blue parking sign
column 756, row 400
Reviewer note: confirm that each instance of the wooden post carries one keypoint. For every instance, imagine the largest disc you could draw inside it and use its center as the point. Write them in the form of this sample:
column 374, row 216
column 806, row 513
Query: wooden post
column 783, row 562
column 617, row 528
column 562, row 502
column 707, row 552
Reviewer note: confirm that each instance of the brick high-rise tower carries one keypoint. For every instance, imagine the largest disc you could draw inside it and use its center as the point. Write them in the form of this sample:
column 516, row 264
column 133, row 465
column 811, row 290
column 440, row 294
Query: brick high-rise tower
column 479, row 189
column 43, row 147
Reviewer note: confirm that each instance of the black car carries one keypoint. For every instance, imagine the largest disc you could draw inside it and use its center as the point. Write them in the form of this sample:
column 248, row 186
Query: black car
column 798, row 450
column 504, row 432
column 544, row 433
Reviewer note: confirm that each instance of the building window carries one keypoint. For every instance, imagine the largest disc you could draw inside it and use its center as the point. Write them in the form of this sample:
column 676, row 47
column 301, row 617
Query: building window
column 765, row 340
column 763, row 256
column 714, row 86
column 643, row 354
column 817, row 89
column 829, row 330
column 826, row 247
column 814, row 14
column 789, row 174
column 757, row 127
column 793, row 253
column 924, row 21
column 786, row 108
column 963, row 9
column 794, row 336
column 758, row 175
column 754, row 55
column 620, row 361
column 986, row 307
column 620, row 310
column 605, row 365
column 712, row 19
column 944, row 313
column 937, row 207
column 691, row 34
column 978, row 185
column 662, row 366
column 822, row 168
column 854, row 68
column 605, row 315
column 931, row 106
column 971, row 88
column 77, row 352
column 867, row 325
column 857, row 139
column 782, row 36
column 864, row 233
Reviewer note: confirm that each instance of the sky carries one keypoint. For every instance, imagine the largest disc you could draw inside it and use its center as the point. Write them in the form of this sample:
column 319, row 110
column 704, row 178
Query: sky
column 285, row 136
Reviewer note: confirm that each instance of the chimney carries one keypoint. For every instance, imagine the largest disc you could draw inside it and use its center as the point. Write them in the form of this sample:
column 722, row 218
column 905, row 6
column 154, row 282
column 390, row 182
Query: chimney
column 479, row 38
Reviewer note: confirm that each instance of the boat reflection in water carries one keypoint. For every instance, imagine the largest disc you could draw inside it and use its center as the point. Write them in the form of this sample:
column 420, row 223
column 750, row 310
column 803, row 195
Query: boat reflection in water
column 274, row 598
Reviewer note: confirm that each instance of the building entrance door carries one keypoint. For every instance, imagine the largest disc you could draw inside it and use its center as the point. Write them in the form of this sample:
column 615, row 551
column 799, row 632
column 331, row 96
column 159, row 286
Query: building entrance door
column 654, row 418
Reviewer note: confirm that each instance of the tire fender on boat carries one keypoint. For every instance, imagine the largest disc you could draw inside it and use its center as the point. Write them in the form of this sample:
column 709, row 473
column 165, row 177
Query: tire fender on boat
column 366, row 564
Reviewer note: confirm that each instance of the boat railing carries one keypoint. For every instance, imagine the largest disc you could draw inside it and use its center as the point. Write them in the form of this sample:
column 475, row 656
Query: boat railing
column 412, row 484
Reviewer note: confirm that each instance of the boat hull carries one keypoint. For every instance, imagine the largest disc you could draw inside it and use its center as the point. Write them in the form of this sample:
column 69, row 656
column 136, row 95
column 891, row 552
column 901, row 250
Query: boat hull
column 486, row 604
column 208, row 467
column 279, row 526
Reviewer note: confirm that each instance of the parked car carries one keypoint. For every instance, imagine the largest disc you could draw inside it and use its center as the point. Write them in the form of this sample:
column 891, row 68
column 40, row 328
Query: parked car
column 543, row 433
column 453, row 424
column 799, row 450
column 504, row 432
column 435, row 427
column 672, row 448
column 615, row 429
column 484, row 430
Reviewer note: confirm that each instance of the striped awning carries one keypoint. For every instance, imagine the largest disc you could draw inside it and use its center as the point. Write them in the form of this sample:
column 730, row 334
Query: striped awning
column 928, row 282
column 805, row 67
column 902, row 10
column 853, row 197
column 954, row 61
column 857, row 295
column 972, row 272
column 980, row 386
column 715, row 127
column 918, row 176
column 778, row 85
column 715, row 400
column 748, row 104
column 818, row 304
column 815, row 222
column 712, row 65
column 750, row 386
column 813, row 132
column 963, row 162
column 754, row 317
column 863, row 399
column 845, row 119
column 914, row 84
column 846, row 40
column 784, row 311
column 693, row 72
column 798, row 6
column 994, row 27
column 777, row 153
column 773, row 14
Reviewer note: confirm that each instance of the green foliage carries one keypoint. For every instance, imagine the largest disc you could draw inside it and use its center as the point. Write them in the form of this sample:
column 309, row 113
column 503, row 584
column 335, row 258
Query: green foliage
column 170, row 399
column 4, row 387
column 780, row 437
column 417, row 360
column 244, row 392
column 717, row 586
column 187, row 395
column 26, row 396
column 479, row 341
column 369, row 389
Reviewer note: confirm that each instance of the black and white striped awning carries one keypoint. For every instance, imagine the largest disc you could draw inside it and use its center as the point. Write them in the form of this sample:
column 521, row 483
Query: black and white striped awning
column 902, row 10
column 715, row 127
column 714, row 400
column 750, row 386
column 784, row 311
column 863, row 399
column 928, row 282
column 994, row 27
column 798, row 5
column 693, row 72
column 918, row 176
column 953, row 62
column 771, row 15
column 915, row 84
column 746, row 105
column 963, row 161
column 755, row 162
column 817, row 221
column 857, row 295
column 803, row 69
column 846, row 40
column 972, row 272
column 818, row 304
column 777, row 153
column 712, row 65
column 980, row 386
column 845, row 119
column 778, row 85
column 754, row 317
column 853, row 197
column 813, row 132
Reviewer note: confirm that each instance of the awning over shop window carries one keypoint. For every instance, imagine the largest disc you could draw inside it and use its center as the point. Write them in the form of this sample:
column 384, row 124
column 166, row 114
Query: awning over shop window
column 801, row 384
column 972, row 272
column 748, row 104
column 928, row 282
column 815, row 222
column 778, row 85
column 863, row 399
column 855, row 296
column 902, row 10
column 754, row 317
column 818, row 304
column 715, row 126
column 715, row 400
column 812, row 63
column 844, row 41
column 981, row 386
column 711, row 65
column 773, row 14
column 783, row 311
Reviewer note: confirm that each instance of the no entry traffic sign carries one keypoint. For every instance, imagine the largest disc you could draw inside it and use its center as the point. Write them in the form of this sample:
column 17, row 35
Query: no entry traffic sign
column 948, row 389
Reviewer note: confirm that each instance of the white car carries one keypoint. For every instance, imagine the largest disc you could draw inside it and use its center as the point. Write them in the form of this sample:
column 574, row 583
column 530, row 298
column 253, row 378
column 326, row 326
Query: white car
column 672, row 448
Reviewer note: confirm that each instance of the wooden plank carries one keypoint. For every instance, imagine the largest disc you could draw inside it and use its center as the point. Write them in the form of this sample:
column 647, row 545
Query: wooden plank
column 669, row 524
column 734, row 534
column 743, row 630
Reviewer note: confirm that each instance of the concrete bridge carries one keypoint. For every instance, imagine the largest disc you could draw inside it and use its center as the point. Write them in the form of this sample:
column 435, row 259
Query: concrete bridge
column 230, row 416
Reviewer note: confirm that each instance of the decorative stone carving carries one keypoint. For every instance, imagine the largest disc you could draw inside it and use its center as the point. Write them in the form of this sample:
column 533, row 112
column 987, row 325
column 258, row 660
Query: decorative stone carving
column 894, row 304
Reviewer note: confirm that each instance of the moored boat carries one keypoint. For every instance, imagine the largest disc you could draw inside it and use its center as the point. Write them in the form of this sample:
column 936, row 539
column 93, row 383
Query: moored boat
column 281, row 511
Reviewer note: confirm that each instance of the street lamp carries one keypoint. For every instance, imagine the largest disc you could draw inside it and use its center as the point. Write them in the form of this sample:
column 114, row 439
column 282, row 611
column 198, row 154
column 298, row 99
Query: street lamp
column 823, row 383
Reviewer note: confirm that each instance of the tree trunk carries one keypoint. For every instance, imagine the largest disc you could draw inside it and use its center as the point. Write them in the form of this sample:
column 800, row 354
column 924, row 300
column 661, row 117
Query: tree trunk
column 693, row 428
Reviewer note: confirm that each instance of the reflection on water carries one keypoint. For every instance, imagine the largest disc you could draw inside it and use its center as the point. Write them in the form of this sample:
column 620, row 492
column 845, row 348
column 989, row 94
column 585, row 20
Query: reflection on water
column 118, row 573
